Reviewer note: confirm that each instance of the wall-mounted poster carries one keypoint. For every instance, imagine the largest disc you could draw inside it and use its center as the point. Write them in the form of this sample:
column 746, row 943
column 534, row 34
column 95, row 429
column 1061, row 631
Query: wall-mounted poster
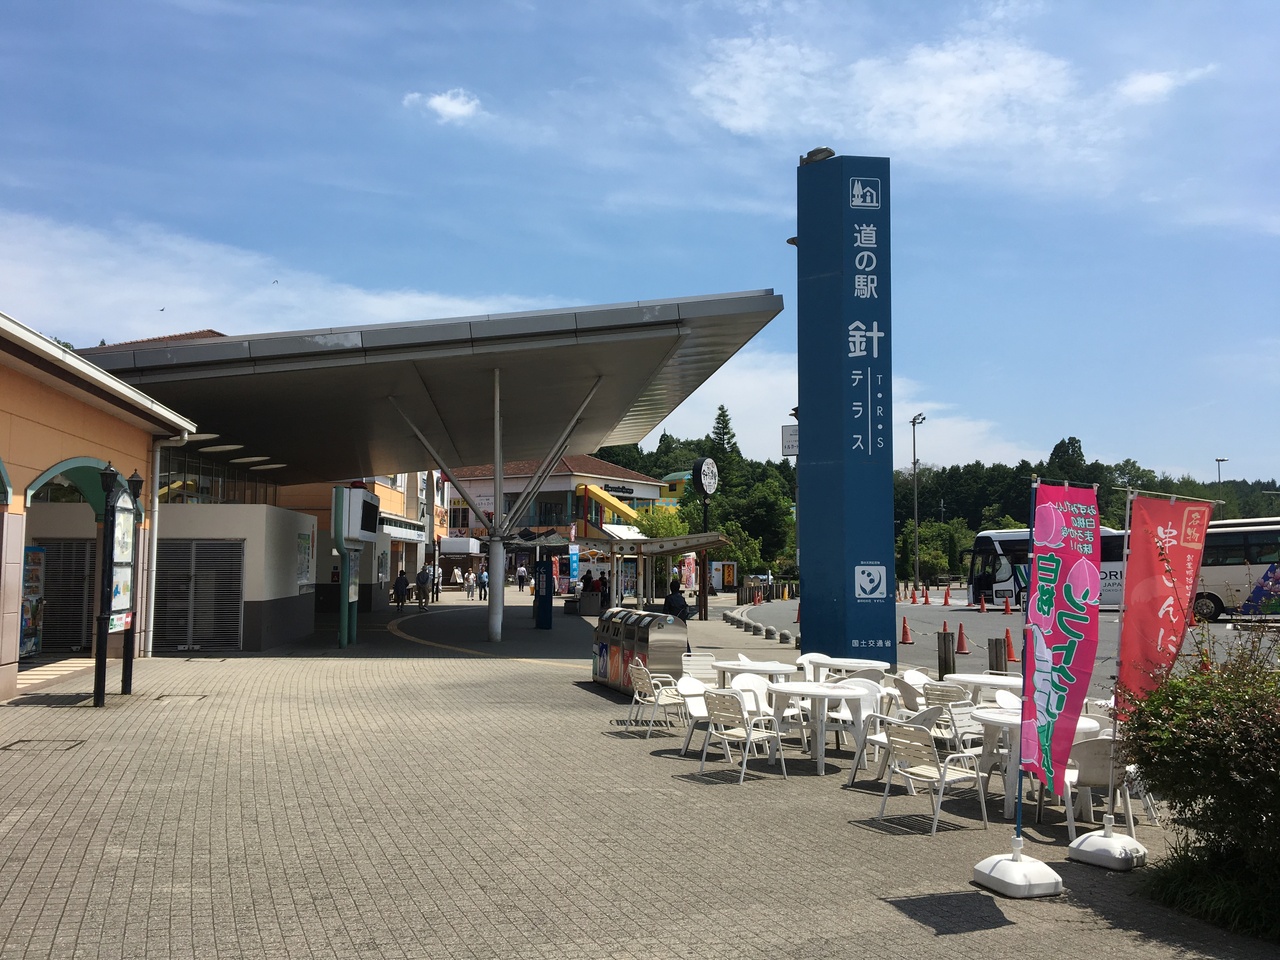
column 32, row 601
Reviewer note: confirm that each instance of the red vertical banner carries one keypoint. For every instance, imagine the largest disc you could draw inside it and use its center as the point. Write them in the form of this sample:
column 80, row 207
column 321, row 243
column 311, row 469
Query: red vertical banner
column 1166, row 542
column 1062, row 627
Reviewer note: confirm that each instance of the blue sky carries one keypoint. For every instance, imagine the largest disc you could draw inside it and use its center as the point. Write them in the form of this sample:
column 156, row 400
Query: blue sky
column 1086, row 182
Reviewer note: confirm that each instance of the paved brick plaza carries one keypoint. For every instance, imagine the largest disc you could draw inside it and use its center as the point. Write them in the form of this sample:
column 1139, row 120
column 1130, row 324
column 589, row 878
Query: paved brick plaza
column 411, row 799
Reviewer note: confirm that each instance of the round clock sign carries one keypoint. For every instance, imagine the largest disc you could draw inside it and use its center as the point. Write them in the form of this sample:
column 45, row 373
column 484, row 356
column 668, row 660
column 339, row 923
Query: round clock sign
column 705, row 476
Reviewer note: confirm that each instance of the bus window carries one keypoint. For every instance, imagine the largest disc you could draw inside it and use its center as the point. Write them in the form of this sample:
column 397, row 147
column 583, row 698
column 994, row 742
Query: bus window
column 1223, row 550
column 1112, row 547
column 1264, row 548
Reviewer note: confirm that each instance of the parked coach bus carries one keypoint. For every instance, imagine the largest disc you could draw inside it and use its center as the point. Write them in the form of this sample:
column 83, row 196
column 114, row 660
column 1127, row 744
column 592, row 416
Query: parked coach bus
column 1240, row 572
column 999, row 560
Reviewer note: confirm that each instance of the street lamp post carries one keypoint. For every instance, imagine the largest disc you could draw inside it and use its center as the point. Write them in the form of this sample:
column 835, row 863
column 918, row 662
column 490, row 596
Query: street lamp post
column 1220, row 461
column 915, row 488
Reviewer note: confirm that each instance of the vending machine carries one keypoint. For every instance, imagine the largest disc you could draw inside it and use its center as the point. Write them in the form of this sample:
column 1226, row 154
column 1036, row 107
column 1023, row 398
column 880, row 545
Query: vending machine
column 32, row 601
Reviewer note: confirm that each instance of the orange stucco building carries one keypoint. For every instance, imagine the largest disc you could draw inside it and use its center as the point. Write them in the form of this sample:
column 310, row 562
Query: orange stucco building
column 62, row 417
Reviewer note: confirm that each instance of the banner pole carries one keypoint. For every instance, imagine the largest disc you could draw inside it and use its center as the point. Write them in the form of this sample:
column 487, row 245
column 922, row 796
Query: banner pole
column 1130, row 494
column 1035, row 484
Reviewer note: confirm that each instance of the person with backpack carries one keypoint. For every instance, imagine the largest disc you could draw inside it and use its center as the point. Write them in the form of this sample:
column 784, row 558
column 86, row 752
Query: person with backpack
column 677, row 606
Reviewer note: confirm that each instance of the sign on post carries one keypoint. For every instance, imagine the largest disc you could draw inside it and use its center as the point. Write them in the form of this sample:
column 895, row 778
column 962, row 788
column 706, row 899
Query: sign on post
column 845, row 390
column 791, row 440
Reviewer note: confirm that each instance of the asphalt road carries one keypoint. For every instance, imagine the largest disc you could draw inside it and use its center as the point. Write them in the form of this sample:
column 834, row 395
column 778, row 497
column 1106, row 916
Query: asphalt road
column 925, row 622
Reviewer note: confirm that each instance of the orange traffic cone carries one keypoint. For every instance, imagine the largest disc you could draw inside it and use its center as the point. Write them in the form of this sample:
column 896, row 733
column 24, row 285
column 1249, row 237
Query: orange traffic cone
column 982, row 603
column 1009, row 653
column 797, row 611
column 906, row 632
column 1007, row 610
column 946, row 597
column 926, row 596
column 913, row 594
column 962, row 643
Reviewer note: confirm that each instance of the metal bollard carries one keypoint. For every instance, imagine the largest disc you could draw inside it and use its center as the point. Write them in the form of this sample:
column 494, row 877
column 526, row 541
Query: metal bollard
column 996, row 655
column 946, row 653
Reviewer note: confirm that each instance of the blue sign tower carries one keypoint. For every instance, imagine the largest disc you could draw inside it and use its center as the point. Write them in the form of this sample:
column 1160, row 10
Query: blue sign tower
column 845, row 370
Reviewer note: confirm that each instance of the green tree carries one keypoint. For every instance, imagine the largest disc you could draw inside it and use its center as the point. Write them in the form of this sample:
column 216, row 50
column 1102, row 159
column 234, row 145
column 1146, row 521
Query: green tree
column 1066, row 462
column 742, row 549
column 658, row 526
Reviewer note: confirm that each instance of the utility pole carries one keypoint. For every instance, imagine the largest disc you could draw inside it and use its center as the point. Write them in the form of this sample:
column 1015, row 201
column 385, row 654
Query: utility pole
column 915, row 487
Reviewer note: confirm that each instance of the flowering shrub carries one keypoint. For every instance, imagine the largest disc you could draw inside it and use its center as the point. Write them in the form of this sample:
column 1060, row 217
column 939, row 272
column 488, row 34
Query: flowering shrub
column 1207, row 744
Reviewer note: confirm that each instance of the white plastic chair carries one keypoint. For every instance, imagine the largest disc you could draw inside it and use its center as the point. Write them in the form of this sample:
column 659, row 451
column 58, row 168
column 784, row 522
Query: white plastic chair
column 964, row 734
column 1008, row 700
column 880, row 740
column 791, row 713
column 917, row 678
column 728, row 723
column 914, row 757
column 691, row 690
column 909, row 695
column 842, row 717
column 651, row 691
column 698, row 665
column 1094, row 767
column 811, row 664
column 867, row 673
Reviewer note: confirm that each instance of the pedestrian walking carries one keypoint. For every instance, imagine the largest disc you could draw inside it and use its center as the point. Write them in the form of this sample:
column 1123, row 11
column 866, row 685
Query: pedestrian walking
column 423, row 582
column 400, row 589
column 469, row 581
column 521, row 576
column 484, row 583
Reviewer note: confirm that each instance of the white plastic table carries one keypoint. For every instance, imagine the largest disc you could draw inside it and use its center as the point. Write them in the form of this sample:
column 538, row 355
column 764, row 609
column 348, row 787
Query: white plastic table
column 819, row 695
column 770, row 669
column 994, row 720
column 977, row 681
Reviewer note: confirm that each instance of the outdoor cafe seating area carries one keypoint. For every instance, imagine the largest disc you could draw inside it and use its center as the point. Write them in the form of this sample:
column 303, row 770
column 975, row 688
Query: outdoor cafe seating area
column 905, row 737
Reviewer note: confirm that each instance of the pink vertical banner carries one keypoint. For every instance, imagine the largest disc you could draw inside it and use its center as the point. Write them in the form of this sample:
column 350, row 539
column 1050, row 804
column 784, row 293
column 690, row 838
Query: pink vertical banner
column 1166, row 541
column 1062, row 627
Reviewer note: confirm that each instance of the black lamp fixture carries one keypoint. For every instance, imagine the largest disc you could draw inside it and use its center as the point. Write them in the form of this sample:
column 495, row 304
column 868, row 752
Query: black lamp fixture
column 816, row 155
column 135, row 485
column 109, row 476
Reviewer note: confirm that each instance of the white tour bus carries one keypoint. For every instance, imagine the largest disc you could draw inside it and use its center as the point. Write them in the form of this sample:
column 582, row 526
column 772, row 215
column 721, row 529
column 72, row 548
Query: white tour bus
column 1240, row 572
column 999, row 558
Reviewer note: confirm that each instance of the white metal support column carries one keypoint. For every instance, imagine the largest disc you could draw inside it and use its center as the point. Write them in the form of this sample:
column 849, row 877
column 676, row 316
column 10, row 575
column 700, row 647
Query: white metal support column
column 497, row 550
column 500, row 528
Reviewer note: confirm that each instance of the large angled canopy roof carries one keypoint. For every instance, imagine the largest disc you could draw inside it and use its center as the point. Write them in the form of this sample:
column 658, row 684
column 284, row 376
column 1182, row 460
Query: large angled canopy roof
column 318, row 400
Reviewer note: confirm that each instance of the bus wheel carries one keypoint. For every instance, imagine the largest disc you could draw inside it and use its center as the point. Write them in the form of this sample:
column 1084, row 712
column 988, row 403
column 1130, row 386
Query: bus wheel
column 1207, row 607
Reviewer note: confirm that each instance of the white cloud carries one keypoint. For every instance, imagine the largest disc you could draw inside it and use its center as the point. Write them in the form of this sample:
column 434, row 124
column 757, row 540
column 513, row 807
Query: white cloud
column 452, row 106
column 974, row 100
column 760, row 85
column 1152, row 87
column 968, row 92
column 759, row 389
column 82, row 285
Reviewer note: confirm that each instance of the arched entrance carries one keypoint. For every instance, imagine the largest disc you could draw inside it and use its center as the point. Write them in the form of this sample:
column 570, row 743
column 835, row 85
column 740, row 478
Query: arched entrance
column 64, row 506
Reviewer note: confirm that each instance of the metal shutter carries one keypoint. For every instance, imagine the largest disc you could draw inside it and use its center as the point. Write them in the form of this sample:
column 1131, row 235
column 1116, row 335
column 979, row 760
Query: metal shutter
column 199, row 596
column 68, row 596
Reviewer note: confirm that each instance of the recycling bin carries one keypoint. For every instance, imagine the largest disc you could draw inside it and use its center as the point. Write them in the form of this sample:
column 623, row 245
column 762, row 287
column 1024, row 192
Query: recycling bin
column 657, row 639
